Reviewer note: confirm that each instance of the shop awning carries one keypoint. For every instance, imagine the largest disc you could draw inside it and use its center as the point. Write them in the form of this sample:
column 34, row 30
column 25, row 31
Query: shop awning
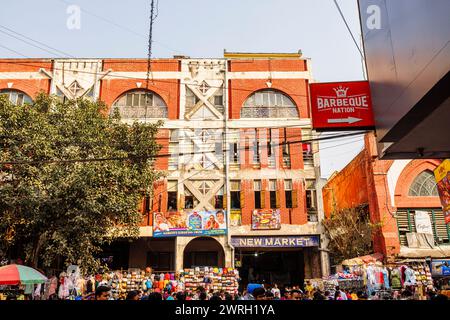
column 363, row 259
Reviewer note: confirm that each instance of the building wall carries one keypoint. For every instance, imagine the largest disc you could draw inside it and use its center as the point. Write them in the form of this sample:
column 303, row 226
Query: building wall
column 384, row 186
column 235, row 79
column 25, row 75
column 346, row 189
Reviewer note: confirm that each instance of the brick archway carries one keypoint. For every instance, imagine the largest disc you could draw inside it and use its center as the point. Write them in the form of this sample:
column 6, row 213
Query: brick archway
column 406, row 178
column 30, row 92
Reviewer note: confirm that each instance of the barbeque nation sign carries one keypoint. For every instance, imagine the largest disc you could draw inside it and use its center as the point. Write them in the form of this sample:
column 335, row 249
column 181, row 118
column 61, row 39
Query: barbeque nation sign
column 341, row 105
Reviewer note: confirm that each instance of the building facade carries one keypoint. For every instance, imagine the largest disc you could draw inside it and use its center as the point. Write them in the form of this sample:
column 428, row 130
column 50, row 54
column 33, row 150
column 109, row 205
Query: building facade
column 398, row 193
column 234, row 132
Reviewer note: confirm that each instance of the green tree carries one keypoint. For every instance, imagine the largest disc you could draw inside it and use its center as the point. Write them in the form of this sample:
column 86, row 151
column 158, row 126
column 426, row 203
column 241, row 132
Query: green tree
column 55, row 207
column 350, row 233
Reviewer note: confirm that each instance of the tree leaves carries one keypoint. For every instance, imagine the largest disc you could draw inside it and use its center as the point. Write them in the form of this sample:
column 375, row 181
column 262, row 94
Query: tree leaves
column 350, row 233
column 69, row 209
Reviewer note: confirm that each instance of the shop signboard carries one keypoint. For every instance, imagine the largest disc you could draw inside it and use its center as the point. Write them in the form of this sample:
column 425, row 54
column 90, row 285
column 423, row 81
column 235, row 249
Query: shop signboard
column 266, row 219
column 442, row 175
column 189, row 223
column 423, row 222
column 275, row 242
column 440, row 267
column 341, row 106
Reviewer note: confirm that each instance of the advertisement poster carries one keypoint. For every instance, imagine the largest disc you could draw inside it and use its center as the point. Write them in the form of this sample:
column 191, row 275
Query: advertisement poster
column 235, row 218
column 189, row 223
column 440, row 267
column 442, row 175
column 266, row 219
column 423, row 222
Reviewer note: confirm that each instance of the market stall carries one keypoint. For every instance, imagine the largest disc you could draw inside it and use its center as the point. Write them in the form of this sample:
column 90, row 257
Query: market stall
column 18, row 281
column 210, row 278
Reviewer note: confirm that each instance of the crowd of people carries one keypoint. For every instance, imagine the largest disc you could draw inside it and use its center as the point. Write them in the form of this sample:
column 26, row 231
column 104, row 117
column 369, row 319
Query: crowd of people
column 264, row 292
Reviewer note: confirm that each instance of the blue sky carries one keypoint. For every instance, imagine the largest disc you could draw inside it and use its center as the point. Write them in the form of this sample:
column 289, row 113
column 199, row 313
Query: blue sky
column 199, row 28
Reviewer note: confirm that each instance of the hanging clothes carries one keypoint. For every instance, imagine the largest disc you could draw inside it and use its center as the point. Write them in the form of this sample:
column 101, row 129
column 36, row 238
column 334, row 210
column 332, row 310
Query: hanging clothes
column 402, row 274
column 385, row 273
column 396, row 279
column 410, row 278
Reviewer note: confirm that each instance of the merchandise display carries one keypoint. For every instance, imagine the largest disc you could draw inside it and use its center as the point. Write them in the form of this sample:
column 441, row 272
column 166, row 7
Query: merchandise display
column 216, row 279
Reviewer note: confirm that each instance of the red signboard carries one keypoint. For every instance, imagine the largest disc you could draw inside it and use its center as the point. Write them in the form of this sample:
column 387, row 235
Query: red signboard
column 341, row 105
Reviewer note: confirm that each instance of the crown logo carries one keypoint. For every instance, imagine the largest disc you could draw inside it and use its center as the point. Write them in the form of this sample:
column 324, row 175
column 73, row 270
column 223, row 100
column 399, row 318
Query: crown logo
column 341, row 92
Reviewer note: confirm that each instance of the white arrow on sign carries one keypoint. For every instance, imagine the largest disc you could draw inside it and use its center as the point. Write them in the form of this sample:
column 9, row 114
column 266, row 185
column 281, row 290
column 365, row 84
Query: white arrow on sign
column 344, row 120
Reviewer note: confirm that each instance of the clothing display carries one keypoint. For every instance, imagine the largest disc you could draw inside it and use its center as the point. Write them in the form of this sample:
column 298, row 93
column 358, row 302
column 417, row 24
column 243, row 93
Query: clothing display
column 211, row 279
column 395, row 279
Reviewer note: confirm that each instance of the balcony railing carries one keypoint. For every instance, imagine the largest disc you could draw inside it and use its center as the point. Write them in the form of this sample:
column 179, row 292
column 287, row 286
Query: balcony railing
column 269, row 112
column 141, row 112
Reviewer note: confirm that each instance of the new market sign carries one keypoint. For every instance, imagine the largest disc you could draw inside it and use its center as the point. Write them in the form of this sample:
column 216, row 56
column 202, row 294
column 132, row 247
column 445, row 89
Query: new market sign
column 275, row 242
column 341, row 105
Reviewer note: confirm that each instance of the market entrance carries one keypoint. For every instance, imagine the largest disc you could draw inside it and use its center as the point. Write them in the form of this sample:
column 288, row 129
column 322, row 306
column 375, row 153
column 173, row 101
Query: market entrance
column 283, row 267
column 203, row 251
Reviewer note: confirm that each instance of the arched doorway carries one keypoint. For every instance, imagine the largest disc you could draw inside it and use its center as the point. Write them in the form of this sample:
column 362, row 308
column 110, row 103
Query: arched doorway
column 203, row 251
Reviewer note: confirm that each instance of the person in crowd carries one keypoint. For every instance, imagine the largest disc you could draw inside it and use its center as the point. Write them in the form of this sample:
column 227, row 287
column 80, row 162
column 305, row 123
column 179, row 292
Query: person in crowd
column 440, row 297
column 296, row 294
column 215, row 297
column 374, row 296
column 133, row 295
column 348, row 295
column 102, row 293
column 250, row 288
column 309, row 289
column 275, row 290
column 317, row 295
column 327, row 295
column 155, row 296
column 228, row 297
column 338, row 295
column 342, row 293
column 203, row 296
column 259, row 293
column 171, row 296
column 269, row 295
column 286, row 294
column 361, row 295
column 180, row 296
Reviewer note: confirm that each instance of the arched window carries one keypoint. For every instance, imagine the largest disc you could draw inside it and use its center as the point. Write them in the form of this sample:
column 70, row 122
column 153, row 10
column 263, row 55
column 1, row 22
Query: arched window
column 17, row 97
column 269, row 104
column 140, row 104
column 424, row 185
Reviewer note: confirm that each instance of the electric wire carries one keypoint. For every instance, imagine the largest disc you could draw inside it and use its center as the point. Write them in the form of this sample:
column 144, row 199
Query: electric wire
column 29, row 43
column 14, row 51
column 38, row 42
column 18, row 162
column 348, row 28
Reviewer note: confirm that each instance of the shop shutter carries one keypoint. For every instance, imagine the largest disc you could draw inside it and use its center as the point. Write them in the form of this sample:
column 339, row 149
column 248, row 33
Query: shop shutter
column 403, row 225
column 224, row 204
column 439, row 226
column 263, row 198
column 294, row 199
column 242, row 198
column 277, row 199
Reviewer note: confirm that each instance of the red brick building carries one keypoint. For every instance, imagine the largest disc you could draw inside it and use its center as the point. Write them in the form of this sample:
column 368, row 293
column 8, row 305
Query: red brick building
column 395, row 192
column 233, row 127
